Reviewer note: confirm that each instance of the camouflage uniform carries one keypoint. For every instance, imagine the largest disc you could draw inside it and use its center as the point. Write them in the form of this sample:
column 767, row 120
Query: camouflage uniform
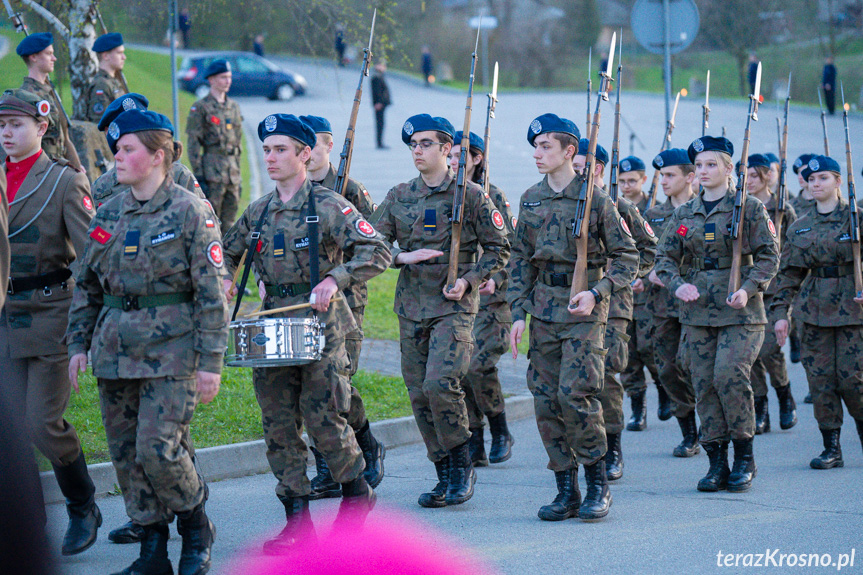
column 104, row 90
column 145, row 354
column 57, row 141
column 4, row 239
column 215, row 134
column 719, row 343
column 32, row 350
column 317, row 393
column 107, row 186
column 800, row 204
column 95, row 153
column 817, row 262
column 436, row 336
column 566, row 354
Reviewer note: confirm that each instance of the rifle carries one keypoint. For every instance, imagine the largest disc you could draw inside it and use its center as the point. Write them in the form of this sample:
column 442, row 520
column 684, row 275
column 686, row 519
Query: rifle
column 94, row 10
column 705, row 107
column 492, row 102
column 589, row 85
column 461, row 184
column 585, row 197
column 782, row 192
column 824, row 125
column 347, row 153
column 666, row 143
column 852, row 202
column 615, row 143
column 740, row 194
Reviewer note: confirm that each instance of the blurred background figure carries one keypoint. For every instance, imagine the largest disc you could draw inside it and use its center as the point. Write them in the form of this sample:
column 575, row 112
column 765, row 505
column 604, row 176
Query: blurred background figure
column 828, row 84
column 380, row 100
column 185, row 27
column 340, row 44
column 258, row 45
column 427, row 65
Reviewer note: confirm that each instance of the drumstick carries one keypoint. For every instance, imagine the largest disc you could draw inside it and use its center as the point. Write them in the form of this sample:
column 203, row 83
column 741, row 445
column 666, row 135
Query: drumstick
column 287, row 308
column 238, row 270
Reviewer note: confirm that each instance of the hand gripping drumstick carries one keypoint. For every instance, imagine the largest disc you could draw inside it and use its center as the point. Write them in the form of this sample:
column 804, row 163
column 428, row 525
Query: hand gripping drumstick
column 287, row 308
column 237, row 271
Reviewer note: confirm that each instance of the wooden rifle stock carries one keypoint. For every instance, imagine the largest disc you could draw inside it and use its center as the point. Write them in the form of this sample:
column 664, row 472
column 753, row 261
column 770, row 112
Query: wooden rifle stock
column 782, row 191
column 615, row 143
column 852, row 205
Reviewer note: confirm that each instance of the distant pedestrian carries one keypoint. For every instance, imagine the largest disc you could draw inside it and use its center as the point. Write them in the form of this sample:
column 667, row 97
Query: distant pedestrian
column 380, row 101
column 185, row 26
column 828, row 84
column 340, row 43
column 258, row 45
column 753, row 71
column 427, row 65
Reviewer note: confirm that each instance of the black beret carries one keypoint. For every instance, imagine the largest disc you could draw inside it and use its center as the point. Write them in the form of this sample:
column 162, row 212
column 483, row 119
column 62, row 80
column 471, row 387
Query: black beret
column 709, row 144
column 34, row 43
column 551, row 123
column 601, row 155
column 426, row 123
column 107, row 42
column 475, row 141
column 631, row 164
column 17, row 102
column 318, row 124
column 217, row 67
column 287, row 125
column 133, row 121
column 124, row 103
column 820, row 164
column 801, row 161
column 671, row 157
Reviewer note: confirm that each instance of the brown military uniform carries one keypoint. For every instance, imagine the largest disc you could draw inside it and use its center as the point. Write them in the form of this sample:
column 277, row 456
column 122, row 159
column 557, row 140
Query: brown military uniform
column 436, row 336
column 57, row 141
column 4, row 239
column 719, row 343
column 567, row 355
column 48, row 223
column 104, row 90
column 215, row 137
column 151, row 310
column 318, row 393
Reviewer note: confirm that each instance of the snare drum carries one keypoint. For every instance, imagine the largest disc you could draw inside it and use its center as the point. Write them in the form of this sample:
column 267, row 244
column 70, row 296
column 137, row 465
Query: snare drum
column 274, row 342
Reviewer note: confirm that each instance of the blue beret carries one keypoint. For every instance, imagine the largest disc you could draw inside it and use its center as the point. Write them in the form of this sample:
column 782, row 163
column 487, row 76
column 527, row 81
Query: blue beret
column 426, row 123
column 601, row 155
column 709, row 144
column 124, row 103
column 107, row 42
column 133, row 121
column 631, row 164
column 756, row 160
column 671, row 157
column 551, row 123
column 34, row 43
column 801, row 161
column 820, row 164
column 217, row 67
column 774, row 159
column 475, row 141
column 318, row 124
column 287, row 125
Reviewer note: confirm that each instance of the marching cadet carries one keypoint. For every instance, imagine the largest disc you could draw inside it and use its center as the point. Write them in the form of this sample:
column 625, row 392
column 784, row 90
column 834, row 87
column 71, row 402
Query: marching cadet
column 817, row 267
column 215, row 136
column 49, row 211
column 631, row 177
column 580, row 159
column 282, row 231
column 37, row 51
column 771, row 358
column 435, row 320
column 676, row 177
column 773, row 175
column 106, row 86
column 722, row 332
column 483, row 394
column 151, row 310
column 322, row 173
column 567, row 355
column 803, row 200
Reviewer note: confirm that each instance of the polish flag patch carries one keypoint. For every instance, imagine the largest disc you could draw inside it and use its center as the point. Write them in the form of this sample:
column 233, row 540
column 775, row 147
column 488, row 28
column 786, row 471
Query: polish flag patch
column 100, row 235
column 210, row 223
column 682, row 230
column 347, row 209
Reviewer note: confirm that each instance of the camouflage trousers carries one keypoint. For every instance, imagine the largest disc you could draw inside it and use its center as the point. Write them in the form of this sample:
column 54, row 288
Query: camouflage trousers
column 833, row 361
column 225, row 199
column 565, row 376
column 146, row 421
column 641, row 342
column 483, row 394
column 770, row 361
column 318, row 395
column 719, row 360
column 611, row 397
column 353, row 346
column 435, row 356
column 676, row 382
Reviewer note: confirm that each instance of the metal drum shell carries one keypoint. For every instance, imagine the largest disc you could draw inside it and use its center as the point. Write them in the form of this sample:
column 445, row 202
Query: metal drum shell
column 274, row 342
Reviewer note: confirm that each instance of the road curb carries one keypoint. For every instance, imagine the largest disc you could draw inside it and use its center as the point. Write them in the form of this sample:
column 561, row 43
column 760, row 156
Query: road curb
column 249, row 458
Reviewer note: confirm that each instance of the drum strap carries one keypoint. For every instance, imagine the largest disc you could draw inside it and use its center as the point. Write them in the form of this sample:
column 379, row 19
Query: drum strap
column 253, row 249
column 312, row 221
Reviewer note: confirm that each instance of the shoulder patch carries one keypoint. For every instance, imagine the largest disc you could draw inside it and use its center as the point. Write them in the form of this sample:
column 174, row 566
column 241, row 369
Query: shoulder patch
column 365, row 229
column 497, row 219
column 625, row 227
column 648, row 229
column 347, row 209
column 514, row 221
column 100, row 235
column 88, row 203
column 98, row 107
column 681, row 231
column 771, row 227
column 214, row 254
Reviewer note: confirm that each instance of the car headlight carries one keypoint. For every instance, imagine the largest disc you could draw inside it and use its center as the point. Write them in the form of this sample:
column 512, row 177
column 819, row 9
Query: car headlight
column 300, row 80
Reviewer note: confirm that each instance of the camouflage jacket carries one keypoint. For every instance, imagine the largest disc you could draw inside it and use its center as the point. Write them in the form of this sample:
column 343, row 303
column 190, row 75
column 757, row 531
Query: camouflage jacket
column 57, row 139
column 58, row 198
column 623, row 302
column 818, row 243
column 215, row 136
column 102, row 91
column 801, row 204
column 660, row 302
column 419, row 217
column 496, row 303
column 107, row 186
column 696, row 249
column 167, row 245
column 281, row 255
column 4, row 239
column 544, row 245
column 787, row 220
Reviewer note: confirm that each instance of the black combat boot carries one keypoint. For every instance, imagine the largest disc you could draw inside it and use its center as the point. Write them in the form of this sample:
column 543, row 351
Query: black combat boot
column 762, row 415
column 461, row 476
column 129, row 532
column 638, row 419
column 664, row 412
column 743, row 470
column 501, row 439
column 568, row 499
column 437, row 496
column 787, row 407
column 717, row 476
column 323, row 484
column 358, row 499
column 597, row 500
column 198, row 534
column 689, row 447
column 808, row 398
column 84, row 515
column 832, row 455
column 859, row 423
column 298, row 529
column 794, row 344
column 373, row 453
column 614, row 457
column 153, row 559
column 477, row 448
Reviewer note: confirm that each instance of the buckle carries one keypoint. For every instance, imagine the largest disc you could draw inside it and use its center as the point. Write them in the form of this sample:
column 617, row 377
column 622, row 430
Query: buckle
column 255, row 236
column 558, row 280
column 710, row 264
column 312, row 219
column 285, row 290
column 130, row 302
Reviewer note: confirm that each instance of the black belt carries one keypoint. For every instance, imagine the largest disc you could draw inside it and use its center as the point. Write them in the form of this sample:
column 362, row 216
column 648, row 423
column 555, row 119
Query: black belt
column 833, row 271
column 564, row 279
column 718, row 263
column 287, row 290
column 44, row 281
column 463, row 258
column 234, row 152
column 130, row 302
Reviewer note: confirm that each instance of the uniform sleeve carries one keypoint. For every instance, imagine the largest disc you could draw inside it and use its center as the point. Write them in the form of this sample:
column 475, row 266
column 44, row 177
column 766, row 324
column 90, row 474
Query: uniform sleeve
column 357, row 194
column 194, row 130
column 788, row 281
column 78, row 212
column 522, row 273
column 86, row 303
column 236, row 241
column 370, row 253
column 765, row 250
column 383, row 222
column 492, row 238
column 98, row 102
column 645, row 242
column 622, row 253
column 184, row 178
column 669, row 255
column 4, row 239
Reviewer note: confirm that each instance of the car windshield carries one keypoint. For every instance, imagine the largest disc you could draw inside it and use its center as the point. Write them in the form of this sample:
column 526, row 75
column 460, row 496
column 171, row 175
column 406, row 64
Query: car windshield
column 250, row 65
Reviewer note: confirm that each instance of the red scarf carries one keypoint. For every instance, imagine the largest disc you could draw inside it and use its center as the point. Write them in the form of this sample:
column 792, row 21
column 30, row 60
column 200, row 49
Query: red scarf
column 16, row 173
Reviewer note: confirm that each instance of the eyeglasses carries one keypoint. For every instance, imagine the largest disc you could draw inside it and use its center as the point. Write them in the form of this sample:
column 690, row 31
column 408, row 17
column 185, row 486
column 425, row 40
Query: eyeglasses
column 424, row 145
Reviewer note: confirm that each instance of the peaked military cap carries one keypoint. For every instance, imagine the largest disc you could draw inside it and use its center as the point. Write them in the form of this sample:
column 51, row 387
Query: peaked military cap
column 34, row 43
column 318, row 124
column 287, row 125
column 133, row 121
column 820, row 164
column 124, row 103
column 475, row 141
column 217, row 67
column 709, row 144
column 671, row 157
column 601, row 155
column 551, row 123
column 426, row 123
column 107, row 42
column 631, row 164
column 17, row 102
